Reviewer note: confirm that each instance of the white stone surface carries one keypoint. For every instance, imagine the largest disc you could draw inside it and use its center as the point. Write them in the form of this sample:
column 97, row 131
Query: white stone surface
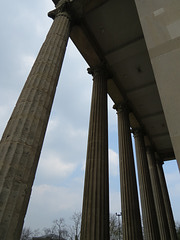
column 161, row 28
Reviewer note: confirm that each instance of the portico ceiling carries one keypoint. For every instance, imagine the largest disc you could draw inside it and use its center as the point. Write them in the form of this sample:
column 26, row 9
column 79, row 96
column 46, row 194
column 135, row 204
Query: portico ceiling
column 109, row 31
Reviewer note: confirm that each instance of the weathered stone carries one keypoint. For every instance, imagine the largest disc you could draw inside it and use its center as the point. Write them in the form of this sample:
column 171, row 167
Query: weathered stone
column 95, row 214
column 167, row 202
column 151, row 230
column 22, row 140
column 160, row 24
column 131, row 222
column 158, row 198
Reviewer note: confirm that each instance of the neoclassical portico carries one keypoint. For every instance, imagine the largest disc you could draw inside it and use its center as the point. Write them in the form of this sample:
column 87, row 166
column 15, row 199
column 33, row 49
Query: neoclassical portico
column 120, row 66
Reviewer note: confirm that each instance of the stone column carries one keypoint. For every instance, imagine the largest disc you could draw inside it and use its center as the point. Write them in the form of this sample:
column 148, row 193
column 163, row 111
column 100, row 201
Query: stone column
column 151, row 230
column 95, row 213
column 158, row 198
column 131, row 222
column 22, row 140
column 167, row 202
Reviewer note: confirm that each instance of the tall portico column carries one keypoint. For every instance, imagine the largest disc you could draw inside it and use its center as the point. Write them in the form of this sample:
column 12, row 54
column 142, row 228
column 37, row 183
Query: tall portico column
column 95, row 213
column 167, row 202
column 158, row 198
column 22, row 140
column 151, row 230
column 131, row 222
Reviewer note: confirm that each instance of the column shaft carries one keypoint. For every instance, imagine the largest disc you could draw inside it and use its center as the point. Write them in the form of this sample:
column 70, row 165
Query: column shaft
column 167, row 202
column 158, row 198
column 22, row 140
column 151, row 230
column 95, row 214
column 131, row 222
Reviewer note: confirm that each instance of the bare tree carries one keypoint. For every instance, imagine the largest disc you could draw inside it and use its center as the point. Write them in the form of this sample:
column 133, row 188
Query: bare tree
column 115, row 228
column 75, row 229
column 60, row 228
column 49, row 231
column 57, row 231
column 178, row 230
column 28, row 234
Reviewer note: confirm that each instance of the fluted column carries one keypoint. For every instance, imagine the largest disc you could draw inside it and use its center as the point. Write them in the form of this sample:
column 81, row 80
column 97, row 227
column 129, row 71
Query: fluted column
column 22, row 140
column 131, row 222
column 158, row 198
column 167, row 202
column 151, row 230
column 95, row 214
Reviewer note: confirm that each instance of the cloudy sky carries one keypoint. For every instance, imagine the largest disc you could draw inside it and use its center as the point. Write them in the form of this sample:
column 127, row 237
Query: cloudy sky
column 58, row 187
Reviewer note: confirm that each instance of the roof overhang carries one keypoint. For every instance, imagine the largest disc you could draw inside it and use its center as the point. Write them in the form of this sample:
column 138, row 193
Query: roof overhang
column 109, row 31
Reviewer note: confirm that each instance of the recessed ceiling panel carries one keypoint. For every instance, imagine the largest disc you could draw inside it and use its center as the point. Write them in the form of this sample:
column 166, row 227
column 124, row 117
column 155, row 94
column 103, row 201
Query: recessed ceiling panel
column 145, row 100
column 155, row 124
column 114, row 24
column 112, row 29
column 162, row 142
column 134, row 72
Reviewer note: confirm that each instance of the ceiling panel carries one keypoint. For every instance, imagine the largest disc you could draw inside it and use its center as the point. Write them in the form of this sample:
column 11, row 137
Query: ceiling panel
column 110, row 22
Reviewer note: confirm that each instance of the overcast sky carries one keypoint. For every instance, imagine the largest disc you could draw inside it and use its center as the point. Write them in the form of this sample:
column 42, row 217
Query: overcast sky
column 58, row 187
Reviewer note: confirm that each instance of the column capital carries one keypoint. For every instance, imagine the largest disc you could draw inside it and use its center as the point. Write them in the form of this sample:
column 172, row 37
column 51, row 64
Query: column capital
column 121, row 107
column 98, row 70
column 138, row 132
column 62, row 8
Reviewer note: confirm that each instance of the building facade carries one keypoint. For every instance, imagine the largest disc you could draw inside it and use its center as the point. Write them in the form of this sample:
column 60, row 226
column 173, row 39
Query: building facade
column 132, row 48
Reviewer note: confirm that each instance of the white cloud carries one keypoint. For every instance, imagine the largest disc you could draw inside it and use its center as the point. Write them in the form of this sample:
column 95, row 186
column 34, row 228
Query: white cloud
column 67, row 136
column 26, row 62
column 112, row 116
column 60, row 198
column 72, row 53
column 51, row 165
column 4, row 111
column 115, row 203
column 114, row 163
column 76, row 133
column 49, row 202
column 53, row 125
column 172, row 177
column 177, row 190
column 41, row 29
column 172, row 180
